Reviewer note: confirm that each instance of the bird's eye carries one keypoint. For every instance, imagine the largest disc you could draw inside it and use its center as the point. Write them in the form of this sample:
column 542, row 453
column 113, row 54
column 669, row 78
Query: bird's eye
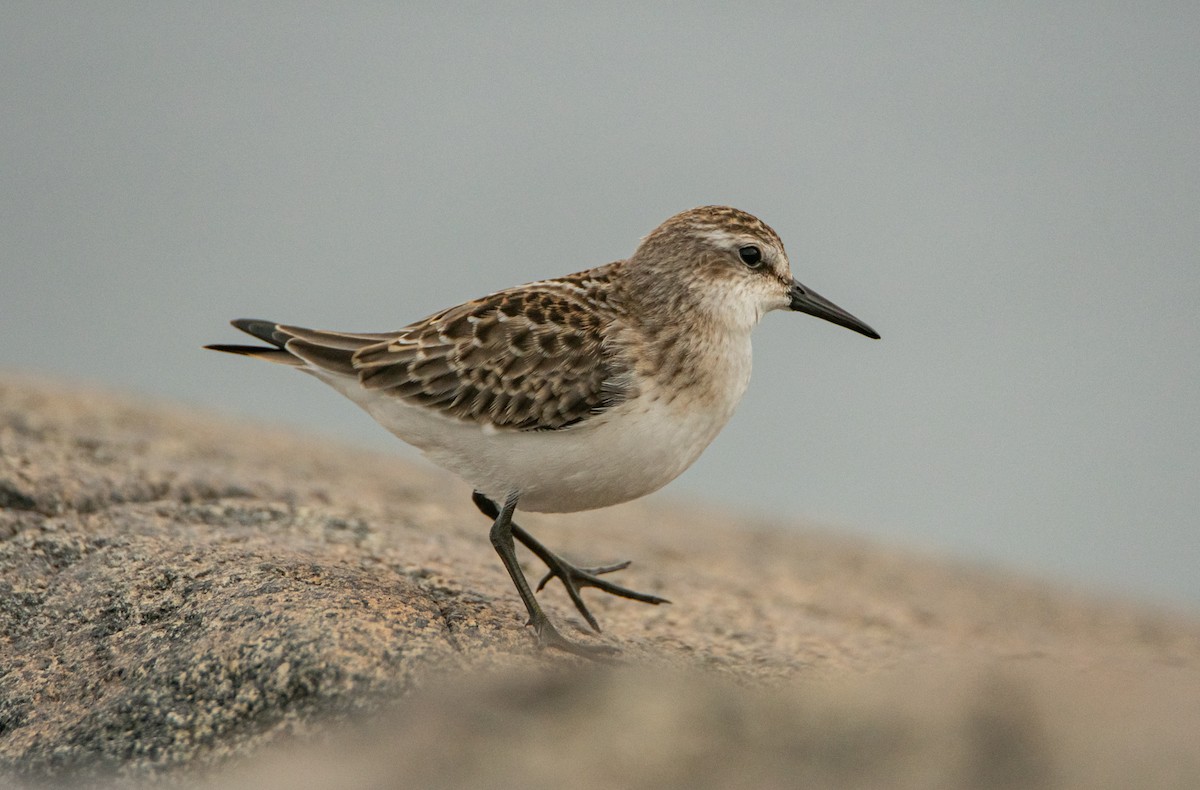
column 751, row 256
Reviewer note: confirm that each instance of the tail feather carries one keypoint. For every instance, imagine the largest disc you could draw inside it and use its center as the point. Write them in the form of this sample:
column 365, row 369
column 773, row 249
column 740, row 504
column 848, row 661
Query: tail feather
column 346, row 341
column 335, row 360
column 266, row 331
column 278, row 355
column 300, row 347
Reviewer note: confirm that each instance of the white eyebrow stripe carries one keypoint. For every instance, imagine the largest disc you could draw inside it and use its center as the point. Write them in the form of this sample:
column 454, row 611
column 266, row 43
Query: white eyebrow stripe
column 717, row 236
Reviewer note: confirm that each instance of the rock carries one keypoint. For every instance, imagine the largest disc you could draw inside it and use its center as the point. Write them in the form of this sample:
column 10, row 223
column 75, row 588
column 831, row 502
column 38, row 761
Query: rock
column 189, row 599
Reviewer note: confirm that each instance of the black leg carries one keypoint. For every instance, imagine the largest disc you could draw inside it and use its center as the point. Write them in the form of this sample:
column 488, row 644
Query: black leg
column 572, row 577
column 502, row 539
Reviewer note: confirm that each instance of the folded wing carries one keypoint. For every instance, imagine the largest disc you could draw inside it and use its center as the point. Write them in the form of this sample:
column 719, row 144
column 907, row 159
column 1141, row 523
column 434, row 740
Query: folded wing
column 532, row 358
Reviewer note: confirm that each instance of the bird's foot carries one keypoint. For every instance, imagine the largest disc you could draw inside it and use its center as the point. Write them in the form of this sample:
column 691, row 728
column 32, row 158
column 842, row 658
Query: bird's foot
column 575, row 578
column 549, row 637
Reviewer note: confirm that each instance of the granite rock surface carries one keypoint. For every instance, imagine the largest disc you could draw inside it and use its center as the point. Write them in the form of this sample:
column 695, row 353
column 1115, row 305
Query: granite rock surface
column 191, row 600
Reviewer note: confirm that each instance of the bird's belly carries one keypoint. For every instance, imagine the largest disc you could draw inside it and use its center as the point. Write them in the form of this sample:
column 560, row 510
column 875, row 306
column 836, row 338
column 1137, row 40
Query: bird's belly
column 622, row 454
column 627, row 454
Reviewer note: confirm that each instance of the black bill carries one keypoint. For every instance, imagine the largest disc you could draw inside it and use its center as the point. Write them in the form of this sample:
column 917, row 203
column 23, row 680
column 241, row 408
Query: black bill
column 806, row 300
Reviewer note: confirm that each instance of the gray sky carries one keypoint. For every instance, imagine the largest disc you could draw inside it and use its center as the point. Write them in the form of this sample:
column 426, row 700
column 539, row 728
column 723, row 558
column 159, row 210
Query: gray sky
column 1009, row 193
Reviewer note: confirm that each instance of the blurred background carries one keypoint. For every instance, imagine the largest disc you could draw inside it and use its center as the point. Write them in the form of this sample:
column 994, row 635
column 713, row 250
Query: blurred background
column 1009, row 194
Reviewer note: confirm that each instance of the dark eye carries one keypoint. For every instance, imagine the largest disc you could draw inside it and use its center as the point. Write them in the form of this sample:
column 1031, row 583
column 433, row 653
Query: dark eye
column 751, row 256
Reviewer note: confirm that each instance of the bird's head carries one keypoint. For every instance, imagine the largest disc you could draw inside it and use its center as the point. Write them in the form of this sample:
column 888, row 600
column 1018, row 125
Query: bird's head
column 729, row 266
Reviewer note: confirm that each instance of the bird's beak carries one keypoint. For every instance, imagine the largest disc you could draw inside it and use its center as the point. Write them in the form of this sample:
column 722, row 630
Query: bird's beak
column 806, row 300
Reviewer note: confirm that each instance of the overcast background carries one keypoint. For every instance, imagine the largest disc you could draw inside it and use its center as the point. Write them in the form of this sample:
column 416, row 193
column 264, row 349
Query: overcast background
column 1009, row 193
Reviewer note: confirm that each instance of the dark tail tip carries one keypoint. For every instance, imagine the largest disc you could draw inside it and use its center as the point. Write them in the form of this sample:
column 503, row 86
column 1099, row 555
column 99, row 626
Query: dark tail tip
column 258, row 352
column 266, row 331
column 232, row 349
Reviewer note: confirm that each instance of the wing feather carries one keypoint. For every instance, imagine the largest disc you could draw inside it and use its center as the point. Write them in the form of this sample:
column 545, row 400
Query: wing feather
column 531, row 358
column 536, row 357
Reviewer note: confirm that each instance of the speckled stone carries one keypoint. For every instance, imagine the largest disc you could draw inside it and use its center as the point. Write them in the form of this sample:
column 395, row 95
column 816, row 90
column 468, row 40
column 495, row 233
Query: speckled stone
column 187, row 599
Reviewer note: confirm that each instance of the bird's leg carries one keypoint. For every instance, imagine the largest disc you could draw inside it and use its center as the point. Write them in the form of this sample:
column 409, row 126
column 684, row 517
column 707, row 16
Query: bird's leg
column 548, row 636
column 572, row 577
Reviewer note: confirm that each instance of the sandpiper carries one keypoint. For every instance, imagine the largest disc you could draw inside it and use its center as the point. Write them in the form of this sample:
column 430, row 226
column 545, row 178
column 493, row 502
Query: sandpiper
column 572, row 393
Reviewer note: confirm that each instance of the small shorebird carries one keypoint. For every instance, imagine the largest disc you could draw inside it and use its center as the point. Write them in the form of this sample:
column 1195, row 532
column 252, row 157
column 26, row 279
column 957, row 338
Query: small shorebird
column 573, row 393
